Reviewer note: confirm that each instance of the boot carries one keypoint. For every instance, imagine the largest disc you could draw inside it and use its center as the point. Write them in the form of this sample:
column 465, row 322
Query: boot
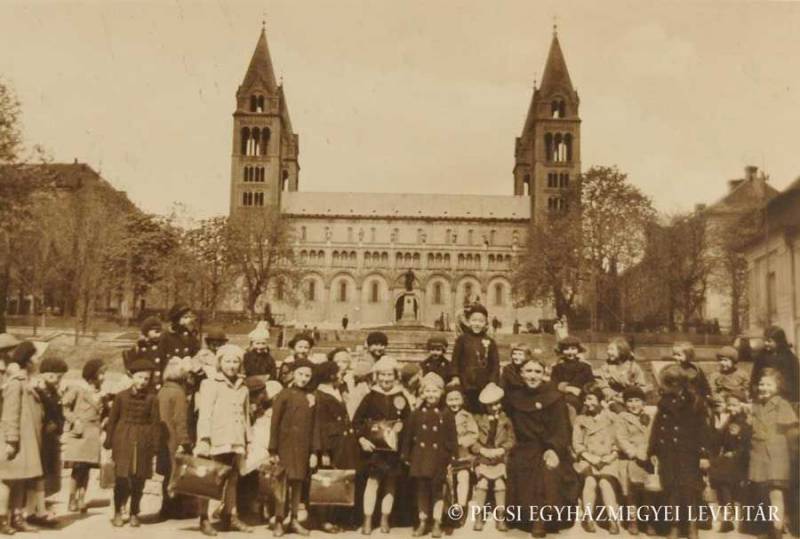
column 277, row 530
column 588, row 525
column 436, row 531
column 421, row 529
column 613, row 527
column 691, row 532
column 385, row 524
column 297, row 528
column 537, row 529
column 366, row 529
column 19, row 523
column 206, row 528
column 82, row 506
column 5, row 527
column 134, row 521
column 479, row 524
column 232, row 523
column 501, row 525
column 117, row 521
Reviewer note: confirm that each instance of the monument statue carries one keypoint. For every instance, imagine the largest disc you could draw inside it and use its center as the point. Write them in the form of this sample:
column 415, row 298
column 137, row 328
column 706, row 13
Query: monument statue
column 409, row 280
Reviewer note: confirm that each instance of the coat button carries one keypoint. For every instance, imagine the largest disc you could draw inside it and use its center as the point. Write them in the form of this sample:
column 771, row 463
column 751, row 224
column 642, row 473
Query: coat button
column 422, row 444
column 435, row 428
column 435, row 445
column 424, row 427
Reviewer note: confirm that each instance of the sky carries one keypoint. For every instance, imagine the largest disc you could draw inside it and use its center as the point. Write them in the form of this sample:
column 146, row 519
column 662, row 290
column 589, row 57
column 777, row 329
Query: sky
column 408, row 96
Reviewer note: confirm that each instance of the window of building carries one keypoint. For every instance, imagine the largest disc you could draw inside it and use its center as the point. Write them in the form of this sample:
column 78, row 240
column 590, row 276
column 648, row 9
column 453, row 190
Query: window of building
column 498, row 294
column 469, row 237
column 526, row 185
column 772, row 297
column 552, row 180
column 258, row 199
column 303, row 233
column 438, row 296
column 343, row 291
column 311, row 291
column 467, row 291
column 247, row 198
column 374, row 292
column 563, row 180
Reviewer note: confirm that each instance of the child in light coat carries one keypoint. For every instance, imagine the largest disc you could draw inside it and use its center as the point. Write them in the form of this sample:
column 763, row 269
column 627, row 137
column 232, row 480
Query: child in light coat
column 467, row 436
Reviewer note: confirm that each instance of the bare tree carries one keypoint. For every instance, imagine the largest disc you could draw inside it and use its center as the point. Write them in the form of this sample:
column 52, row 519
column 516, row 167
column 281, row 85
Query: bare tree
column 209, row 249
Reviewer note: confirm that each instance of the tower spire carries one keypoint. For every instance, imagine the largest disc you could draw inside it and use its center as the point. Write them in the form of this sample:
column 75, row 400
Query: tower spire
column 260, row 68
column 556, row 74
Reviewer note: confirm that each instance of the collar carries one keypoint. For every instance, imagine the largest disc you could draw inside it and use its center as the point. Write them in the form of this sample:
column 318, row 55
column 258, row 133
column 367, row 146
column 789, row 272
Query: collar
column 394, row 391
column 328, row 389
column 236, row 384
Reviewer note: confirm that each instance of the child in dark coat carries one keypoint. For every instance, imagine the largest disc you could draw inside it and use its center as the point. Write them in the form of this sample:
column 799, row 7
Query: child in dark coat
column 475, row 358
column 571, row 375
column 383, row 412
column 290, row 440
column 436, row 361
column 257, row 360
column 430, row 444
column 132, row 435
column 730, row 454
column 510, row 377
column 148, row 346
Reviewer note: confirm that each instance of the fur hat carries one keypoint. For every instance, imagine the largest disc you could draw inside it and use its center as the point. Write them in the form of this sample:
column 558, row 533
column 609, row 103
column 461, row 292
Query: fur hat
column 491, row 393
column 569, row 342
column 432, row 379
column 437, row 341
column 728, row 352
column 230, row 350
column 141, row 365
column 384, row 364
column 53, row 364
column 177, row 311
column 260, row 333
column 303, row 336
column 377, row 337
column 150, row 323
column 633, row 393
column 477, row 308
column 92, row 368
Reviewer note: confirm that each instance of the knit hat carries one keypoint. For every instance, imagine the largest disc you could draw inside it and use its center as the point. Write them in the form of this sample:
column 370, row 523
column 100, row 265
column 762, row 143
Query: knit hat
column 230, row 350
column 437, row 341
column 53, row 364
column 255, row 384
column 273, row 387
column 408, row 371
column 260, row 333
column 302, row 362
column 23, row 353
column 491, row 393
column 150, row 323
column 432, row 379
column 177, row 311
column 377, row 337
column 385, row 364
column 302, row 337
column 477, row 308
column 216, row 335
column 141, row 365
column 632, row 393
column 7, row 340
column 92, row 368
column 728, row 352
column 570, row 342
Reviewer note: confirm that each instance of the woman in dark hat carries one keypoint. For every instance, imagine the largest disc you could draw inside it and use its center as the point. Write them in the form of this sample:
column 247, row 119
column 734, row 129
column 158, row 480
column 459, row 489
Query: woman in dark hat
column 180, row 339
column 132, row 435
column 85, row 406
column 777, row 354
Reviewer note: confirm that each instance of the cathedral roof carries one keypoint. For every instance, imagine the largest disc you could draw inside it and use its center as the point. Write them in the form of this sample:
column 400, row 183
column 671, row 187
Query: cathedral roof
column 555, row 74
column 406, row 205
column 260, row 68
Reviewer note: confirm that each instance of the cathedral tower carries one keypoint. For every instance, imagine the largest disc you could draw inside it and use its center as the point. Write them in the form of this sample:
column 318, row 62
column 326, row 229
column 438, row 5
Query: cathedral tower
column 547, row 157
column 265, row 148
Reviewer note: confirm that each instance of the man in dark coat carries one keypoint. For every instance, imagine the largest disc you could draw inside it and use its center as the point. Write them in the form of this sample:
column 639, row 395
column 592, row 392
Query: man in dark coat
column 777, row 354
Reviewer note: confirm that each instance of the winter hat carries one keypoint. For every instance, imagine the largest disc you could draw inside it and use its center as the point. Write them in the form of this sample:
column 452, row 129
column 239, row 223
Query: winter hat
column 728, row 352
column 230, row 350
column 302, row 337
column 738, row 394
column 437, row 341
column 570, row 342
column 477, row 308
column 7, row 341
column 255, row 384
column 326, row 373
column 53, row 364
column 302, row 362
column 432, row 379
column 23, row 353
column 92, row 368
column 332, row 354
column 216, row 335
column 491, row 393
column 273, row 387
column 151, row 323
column 408, row 371
column 672, row 377
column 385, row 364
column 377, row 337
column 141, row 365
column 633, row 393
column 454, row 386
column 177, row 311
column 260, row 333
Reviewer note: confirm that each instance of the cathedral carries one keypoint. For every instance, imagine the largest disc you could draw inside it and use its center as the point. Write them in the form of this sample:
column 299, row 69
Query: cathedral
column 384, row 258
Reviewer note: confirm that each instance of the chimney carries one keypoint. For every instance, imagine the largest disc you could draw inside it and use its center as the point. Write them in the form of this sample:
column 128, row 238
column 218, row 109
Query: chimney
column 750, row 172
column 75, row 162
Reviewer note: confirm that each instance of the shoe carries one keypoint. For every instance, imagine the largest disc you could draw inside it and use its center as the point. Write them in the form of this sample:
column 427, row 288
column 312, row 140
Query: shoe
column 329, row 527
column 72, row 506
column 500, row 526
column 233, row 523
column 83, row 507
column 19, row 524
column 297, row 528
column 5, row 527
column 277, row 530
column 436, row 530
column 588, row 525
column 538, row 530
column 726, row 526
column 134, row 521
column 117, row 521
column 366, row 529
column 421, row 529
column 207, row 529
column 613, row 527
column 691, row 532
column 479, row 524
column 385, row 524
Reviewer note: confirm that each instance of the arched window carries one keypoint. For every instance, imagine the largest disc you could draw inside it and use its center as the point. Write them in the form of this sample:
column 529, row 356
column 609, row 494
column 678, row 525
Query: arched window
column 548, row 146
column 560, row 150
column 515, row 238
column 498, row 294
column 303, row 233
column 385, row 259
column 260, row 104
column 311, row 291
column 253, row 103
column 259, row 199
column 438, row 298
column 568, row 148
column 374, row 292
column 563, row 180
column 526, row 185
column 552, row 180
column 367, row 259
column 247, row 198
column 343, row 291
column 245, row 140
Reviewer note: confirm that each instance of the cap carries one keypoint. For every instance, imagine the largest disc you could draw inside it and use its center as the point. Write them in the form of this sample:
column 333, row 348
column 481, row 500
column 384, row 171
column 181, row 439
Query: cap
column 385, row 364
column 491, row 393
column 7, row 340
column 633, row 393
column 437, row 341
column 53, row 364
column 141, row 365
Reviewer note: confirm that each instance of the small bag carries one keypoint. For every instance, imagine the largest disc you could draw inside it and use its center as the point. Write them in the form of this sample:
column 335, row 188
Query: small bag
column 272, row 483
column 200, row 477
column 333, row 487
column 653, row 481
column 108, row 475
column 383, row 435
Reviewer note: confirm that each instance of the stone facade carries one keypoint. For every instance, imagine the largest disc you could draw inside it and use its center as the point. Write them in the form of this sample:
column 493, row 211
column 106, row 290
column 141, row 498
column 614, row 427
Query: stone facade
column 356, row 249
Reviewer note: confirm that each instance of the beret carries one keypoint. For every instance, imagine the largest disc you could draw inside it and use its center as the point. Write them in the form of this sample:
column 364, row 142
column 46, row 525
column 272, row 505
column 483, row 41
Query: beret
column 141, row 365
column 437, row 340
column 177, row 311
column 149, row 323
column 570, row 342
column 633, row 393
column 728, row 352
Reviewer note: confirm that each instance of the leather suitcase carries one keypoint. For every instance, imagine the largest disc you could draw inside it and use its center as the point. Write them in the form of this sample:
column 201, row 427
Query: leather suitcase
column 199, row 477
column 333, row 487
column 107, row 472
column 382, row 434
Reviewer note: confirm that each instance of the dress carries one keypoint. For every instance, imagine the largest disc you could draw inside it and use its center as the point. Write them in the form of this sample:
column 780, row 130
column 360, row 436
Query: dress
column 21, row 426
column 291, row 430
column 133, row 433
column 84, row 409
column 769, row 450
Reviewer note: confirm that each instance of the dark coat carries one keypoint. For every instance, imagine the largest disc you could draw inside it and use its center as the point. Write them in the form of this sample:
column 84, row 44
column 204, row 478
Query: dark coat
column 292, row 430
column 430, row 442
column 572, row 373
column 680, row 437
column 259, row 364
column 375, row 406
column 173, row 411
column 144, row 348
column 53, row 427
column 333, row 431
column 698, row 383
column 731, row 449
column 782, row 360
column 510, row 378
column 475, row 360
column 541, row 422
column 178, row 343
column 439, row 365
column 132, row 433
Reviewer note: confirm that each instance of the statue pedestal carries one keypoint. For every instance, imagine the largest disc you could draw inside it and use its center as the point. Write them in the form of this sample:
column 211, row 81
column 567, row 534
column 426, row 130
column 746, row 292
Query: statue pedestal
column 409, row 317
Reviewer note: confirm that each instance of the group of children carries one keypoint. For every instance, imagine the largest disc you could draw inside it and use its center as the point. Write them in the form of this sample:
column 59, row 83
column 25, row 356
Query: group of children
column 461, row 431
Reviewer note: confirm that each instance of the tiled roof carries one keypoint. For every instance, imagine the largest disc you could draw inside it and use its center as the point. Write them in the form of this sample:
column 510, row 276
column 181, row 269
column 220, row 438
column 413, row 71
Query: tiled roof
column 555, row 73
column 406, row 205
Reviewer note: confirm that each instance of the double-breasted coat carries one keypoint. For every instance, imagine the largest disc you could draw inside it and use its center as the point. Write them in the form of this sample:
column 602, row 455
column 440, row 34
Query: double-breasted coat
column 292, row 430
column 632, row 435
column 147, row 349
column 430, row 442
column 21, row 427
column 178, row 342
column 475, row 360
column 224, row 411
column 173, row 412
column 494, row 432
column 334, row 433
column 380, row 405
column 133, row 432
column 439, row 365
column 595, row 435
column 85, row 407
column 769, row 450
